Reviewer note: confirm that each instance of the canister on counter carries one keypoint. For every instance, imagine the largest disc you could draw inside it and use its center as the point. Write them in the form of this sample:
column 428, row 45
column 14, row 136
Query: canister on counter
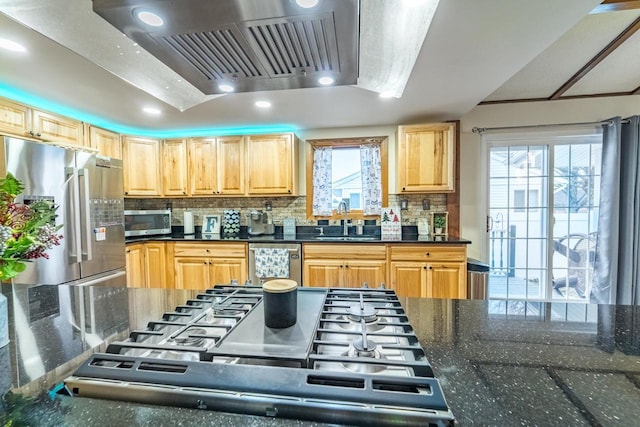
column 280, row 301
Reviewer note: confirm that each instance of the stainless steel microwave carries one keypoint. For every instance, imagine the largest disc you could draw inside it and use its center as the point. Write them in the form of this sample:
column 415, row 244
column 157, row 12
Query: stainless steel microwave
column 147, row 223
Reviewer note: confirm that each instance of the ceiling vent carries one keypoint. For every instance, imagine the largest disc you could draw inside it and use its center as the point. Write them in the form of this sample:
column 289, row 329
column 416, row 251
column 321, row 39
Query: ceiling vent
column 254, row 45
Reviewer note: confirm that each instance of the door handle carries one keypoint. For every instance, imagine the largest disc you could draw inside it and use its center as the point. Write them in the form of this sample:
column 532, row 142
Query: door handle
column 86, row 255
column 76, row 249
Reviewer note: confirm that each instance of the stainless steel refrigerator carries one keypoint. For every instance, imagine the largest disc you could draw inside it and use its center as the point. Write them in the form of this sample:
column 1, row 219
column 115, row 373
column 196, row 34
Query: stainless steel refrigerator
column 88, row 190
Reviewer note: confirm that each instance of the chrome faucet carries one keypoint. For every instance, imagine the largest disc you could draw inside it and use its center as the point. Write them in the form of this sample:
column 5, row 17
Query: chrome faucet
column 345, row 229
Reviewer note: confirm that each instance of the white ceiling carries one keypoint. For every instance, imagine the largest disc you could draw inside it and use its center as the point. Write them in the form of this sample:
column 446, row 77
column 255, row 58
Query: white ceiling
column 474, row 50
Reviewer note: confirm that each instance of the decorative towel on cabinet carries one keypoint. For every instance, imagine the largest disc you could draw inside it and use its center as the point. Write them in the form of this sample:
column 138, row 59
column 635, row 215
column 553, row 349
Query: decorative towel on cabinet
column 272, row 263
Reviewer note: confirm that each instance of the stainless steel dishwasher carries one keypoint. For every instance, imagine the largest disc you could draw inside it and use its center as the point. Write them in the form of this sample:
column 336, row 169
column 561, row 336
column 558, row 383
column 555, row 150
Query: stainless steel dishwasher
column 294, row 270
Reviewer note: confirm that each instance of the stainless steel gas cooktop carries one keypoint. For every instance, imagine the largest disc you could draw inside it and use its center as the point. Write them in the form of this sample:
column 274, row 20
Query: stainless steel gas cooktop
column 352, row 357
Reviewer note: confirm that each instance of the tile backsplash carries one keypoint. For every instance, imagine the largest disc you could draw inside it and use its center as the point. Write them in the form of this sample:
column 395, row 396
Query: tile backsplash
column 282, row 207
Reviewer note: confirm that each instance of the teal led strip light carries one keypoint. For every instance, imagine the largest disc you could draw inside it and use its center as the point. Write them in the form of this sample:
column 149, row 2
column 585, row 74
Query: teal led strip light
column 40, row 103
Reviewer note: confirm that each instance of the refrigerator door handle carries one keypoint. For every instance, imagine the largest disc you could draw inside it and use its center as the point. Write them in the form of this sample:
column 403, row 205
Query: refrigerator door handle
column 101, row 279
column 75, row 250
column 86, row 209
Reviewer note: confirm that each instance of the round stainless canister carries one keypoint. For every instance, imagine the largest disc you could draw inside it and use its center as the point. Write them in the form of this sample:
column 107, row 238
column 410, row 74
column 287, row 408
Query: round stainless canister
column 280, row 301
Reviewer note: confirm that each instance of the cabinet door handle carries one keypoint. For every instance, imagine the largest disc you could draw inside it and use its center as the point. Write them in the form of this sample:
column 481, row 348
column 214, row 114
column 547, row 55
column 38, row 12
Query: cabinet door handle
column 346, row 266
column 428, row 254
column 430, row 268
column 205, row 262
column 424, row 267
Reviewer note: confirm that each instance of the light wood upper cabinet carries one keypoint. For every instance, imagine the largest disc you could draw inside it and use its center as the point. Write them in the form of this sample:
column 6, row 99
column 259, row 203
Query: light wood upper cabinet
column 141, row 164
column 348, row 266
column 426, row 158
column 106, row 142
column 20, row 120
column 272, row 164
column 216, row 166
column 14, row 118
column 50, row 127
column 174, row 167
column 231, row 173
column 203, row 168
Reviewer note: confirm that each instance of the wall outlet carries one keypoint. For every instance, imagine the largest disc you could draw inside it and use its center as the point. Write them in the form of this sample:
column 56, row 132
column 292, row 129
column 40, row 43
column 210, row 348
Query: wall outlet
column 404, row 204
column 426, row 204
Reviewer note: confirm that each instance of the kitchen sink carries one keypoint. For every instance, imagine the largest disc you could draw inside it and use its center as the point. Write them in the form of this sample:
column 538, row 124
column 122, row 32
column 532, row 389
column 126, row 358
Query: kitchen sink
column 346, row 238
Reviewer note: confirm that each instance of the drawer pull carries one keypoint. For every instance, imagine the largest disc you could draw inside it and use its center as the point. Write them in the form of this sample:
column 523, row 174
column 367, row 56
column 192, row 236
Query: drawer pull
column 428, row 254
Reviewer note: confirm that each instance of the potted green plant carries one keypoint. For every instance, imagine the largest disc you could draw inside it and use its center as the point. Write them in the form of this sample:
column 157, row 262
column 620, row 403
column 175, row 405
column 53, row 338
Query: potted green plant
column 439, row 223
column 27, row 231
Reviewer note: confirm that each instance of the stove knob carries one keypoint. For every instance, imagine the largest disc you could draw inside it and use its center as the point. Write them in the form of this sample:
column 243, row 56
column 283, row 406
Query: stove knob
column 382, row 286
column 365, row 285
column 234, row 282
column 248, row 282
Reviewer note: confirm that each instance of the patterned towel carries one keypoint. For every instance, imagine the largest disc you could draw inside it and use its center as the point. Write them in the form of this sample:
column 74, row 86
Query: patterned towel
column 272, row 263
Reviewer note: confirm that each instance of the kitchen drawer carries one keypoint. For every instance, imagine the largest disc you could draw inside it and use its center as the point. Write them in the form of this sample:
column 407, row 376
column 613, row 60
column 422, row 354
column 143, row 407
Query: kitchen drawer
column 217, row 250
column 428, row 253
column 345, row 251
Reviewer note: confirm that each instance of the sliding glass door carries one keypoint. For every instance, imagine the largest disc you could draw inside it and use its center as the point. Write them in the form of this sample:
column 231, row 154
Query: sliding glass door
column 542, row 214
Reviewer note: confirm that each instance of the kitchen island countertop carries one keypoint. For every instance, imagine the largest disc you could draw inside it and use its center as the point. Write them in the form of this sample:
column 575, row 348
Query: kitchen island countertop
column 499, row 362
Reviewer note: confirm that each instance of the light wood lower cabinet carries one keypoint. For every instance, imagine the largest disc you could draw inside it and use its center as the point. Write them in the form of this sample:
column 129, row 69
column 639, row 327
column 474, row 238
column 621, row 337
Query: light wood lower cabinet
column 346, row 266
column 135, row 265
column 436, row 271
column 203, row 265
column 427, row 271
column 156, row 264
column 146, row 265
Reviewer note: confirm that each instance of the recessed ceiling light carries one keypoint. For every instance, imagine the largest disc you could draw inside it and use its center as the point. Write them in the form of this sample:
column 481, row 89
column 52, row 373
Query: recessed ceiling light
column 152, row 111
column 11, row 45
column 325, row 80
column 150, row 18
column 263, row 104
column 387, row 94
column 226, row 87
column 307, row 3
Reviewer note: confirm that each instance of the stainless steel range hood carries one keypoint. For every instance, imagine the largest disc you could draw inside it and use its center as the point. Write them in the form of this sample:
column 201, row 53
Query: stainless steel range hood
column 254, row 45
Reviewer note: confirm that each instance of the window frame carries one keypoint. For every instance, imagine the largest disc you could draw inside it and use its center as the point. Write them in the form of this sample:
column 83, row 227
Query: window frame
column 581, row 135
column 383, row 141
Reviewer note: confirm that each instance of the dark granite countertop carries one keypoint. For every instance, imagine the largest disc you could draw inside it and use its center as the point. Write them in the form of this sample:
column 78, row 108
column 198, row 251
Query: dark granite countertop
column 499, row 362
column 303, row 238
